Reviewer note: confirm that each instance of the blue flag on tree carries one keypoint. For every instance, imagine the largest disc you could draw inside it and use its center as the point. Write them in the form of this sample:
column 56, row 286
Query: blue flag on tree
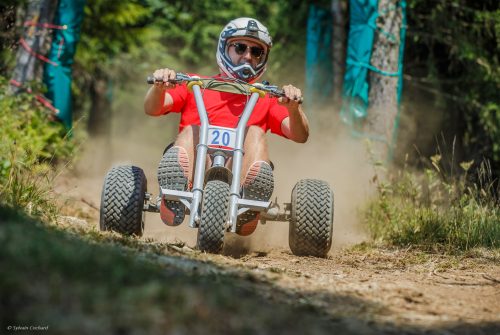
column 57, row 73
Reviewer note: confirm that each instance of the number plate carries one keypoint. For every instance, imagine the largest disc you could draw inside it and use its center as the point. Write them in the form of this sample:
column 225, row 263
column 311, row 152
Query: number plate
column 221, row 138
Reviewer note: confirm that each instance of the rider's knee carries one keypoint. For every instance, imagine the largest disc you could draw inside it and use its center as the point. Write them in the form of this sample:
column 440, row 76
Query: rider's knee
column 187, row 137
column 255, row 134
column 256, row 145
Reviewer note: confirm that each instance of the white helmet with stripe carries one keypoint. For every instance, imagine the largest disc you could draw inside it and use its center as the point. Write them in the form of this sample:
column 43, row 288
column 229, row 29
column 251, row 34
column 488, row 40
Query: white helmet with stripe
column 248, row 28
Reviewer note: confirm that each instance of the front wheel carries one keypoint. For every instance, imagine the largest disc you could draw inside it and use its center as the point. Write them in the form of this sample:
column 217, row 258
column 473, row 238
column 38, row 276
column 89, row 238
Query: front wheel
column 122, row 200
column 213, row 217
column 311, row 221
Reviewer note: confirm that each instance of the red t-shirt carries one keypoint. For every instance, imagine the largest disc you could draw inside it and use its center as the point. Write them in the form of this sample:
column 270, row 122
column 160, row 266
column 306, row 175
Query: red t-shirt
column 224, row 109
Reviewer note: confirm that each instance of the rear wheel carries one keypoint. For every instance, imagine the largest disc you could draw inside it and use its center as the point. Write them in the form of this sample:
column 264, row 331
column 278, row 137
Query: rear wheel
column 311, row 222
column 213, row 216
column 122, row 200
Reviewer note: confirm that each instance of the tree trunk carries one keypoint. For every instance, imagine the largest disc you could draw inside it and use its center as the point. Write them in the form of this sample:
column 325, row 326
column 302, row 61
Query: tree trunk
column 99, row 123
column 383, row 93
column 339, row 41
column 34, row 41
column 7, row 34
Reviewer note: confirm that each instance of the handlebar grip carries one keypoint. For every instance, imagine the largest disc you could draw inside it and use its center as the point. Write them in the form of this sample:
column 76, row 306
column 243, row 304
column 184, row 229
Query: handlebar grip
column 281, row 93
column 151, row 80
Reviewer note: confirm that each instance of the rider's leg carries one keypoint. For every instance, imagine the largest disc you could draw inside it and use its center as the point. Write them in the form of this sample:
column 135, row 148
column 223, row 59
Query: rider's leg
column 175, row 172
column 257, row 176
column 255, row 148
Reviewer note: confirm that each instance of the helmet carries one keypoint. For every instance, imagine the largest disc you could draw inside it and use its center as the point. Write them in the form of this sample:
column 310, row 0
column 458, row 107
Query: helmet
column 248, row 28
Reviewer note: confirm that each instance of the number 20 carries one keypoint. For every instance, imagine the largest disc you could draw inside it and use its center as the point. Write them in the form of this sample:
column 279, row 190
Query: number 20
column 225, row 138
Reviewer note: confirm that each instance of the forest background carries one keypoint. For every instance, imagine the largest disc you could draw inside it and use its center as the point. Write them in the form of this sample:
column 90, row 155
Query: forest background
column 451, row 70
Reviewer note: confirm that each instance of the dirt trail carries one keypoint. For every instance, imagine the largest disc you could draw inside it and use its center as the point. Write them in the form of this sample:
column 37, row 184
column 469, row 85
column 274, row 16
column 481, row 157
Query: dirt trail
column 392, row 288
column 374, row 290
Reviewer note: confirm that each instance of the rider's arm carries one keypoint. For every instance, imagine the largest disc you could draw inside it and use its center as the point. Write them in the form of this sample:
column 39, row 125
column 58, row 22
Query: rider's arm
column 295, row 126
column 157, row 100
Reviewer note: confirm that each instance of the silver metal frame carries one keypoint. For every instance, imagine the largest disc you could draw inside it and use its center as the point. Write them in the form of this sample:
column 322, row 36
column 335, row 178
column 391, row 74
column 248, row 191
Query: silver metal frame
column 236, row 204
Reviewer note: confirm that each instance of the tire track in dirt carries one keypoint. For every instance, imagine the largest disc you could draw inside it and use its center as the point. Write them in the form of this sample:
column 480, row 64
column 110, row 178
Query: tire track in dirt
column 394, row 290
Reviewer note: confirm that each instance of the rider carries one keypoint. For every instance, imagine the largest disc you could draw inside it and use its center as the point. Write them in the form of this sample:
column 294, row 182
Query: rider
column 242, row 53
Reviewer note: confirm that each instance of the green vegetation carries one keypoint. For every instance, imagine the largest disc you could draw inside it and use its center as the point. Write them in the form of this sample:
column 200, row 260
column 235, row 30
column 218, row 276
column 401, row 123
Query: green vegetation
column 124, row 41
column 193, row 29
column 436, row 210
column 453, row 53
column 31, row 146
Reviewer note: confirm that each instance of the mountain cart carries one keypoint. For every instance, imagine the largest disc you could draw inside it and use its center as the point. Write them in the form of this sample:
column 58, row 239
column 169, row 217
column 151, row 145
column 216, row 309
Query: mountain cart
column 215, row 201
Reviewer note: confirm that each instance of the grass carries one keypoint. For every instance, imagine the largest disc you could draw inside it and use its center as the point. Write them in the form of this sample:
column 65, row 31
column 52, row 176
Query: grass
column 27, row 187
column 436, row 210
column 31, row 147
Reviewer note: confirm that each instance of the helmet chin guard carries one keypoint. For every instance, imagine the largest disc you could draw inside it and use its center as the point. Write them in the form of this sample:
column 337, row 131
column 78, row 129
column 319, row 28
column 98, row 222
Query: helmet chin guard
column 248, row 28
column 245, row 71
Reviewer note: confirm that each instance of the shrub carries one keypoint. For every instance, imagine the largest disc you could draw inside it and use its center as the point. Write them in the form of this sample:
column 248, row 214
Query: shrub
column 436, row 209
column 31, row 146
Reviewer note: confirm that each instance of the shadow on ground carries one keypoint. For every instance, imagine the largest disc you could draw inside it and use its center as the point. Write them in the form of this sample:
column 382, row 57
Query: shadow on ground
column 92, row 283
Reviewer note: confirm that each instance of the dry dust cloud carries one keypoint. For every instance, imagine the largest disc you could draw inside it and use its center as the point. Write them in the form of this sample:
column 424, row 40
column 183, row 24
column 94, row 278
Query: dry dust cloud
column 332, row 156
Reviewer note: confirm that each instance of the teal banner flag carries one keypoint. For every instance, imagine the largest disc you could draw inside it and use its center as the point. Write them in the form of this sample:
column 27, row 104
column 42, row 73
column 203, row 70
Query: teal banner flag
column 57, row 72
column 319, row 68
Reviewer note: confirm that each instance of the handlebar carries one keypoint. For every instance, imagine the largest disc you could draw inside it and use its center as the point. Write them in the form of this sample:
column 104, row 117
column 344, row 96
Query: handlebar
column 179, row 78
column 182, row 77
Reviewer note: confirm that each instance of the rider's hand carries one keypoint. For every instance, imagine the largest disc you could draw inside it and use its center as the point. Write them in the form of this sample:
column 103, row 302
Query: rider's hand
column 292, row 96
column 163, row 78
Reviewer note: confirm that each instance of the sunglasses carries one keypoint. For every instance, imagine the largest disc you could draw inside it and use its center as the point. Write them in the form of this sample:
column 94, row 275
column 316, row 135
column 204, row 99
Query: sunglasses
column 241, row 48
